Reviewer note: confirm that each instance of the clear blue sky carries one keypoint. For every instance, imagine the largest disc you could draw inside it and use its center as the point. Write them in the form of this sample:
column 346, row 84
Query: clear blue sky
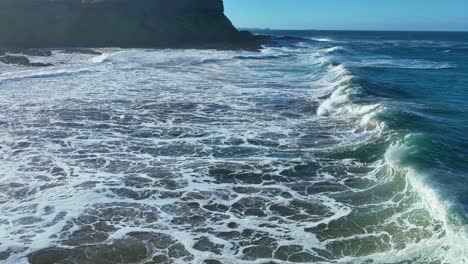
column 441, row 15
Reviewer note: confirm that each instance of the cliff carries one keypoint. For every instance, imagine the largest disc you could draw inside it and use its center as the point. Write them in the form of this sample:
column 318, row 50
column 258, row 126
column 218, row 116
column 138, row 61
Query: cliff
column 119, row 23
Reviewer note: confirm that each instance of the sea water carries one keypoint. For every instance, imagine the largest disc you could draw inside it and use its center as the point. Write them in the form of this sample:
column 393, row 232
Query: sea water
column 339, row 147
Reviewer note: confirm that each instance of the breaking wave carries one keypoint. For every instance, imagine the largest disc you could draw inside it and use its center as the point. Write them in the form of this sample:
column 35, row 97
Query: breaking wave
column 419, row 226
column 183, row 156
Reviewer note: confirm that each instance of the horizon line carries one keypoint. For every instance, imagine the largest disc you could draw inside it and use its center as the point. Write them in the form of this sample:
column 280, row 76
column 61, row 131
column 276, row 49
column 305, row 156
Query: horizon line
column 361, row 30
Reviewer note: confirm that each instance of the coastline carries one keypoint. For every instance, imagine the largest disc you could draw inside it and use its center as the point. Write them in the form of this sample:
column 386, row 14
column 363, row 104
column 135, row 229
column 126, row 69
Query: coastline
column 178, row 24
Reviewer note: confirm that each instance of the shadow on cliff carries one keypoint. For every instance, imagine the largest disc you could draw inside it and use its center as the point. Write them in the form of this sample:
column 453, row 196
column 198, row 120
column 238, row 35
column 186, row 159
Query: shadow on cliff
column 121, row 23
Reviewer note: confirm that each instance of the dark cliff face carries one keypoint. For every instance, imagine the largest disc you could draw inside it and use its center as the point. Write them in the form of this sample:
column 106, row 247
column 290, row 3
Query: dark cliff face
column 118, row 23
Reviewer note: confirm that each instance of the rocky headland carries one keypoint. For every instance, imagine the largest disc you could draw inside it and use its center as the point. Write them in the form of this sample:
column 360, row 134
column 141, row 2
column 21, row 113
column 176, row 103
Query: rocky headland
column 120, row 23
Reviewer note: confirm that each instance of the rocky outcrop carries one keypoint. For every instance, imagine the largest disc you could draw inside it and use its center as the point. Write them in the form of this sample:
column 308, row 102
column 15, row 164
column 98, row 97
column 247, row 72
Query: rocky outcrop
column 119, row 23
column 82, row 51
column 21, row 60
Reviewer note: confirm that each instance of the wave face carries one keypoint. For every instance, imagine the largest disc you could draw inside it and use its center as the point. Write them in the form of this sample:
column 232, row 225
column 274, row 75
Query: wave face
column 348, row 148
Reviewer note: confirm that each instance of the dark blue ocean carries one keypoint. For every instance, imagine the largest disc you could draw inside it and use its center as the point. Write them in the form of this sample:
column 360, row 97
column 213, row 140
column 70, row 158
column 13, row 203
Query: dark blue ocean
column 421, row 79
column 329, row 147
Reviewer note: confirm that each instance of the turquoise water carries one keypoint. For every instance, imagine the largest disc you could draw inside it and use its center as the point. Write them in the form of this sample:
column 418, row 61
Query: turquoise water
column 422, row 80
column 339, row 147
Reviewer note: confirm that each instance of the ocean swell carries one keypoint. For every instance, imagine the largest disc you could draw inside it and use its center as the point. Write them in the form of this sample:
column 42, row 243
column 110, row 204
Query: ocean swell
column 418, row 224
column 290, row 155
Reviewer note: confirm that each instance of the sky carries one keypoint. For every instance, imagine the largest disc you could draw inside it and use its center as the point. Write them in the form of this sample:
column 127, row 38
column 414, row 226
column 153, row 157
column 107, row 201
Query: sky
column 432, row 15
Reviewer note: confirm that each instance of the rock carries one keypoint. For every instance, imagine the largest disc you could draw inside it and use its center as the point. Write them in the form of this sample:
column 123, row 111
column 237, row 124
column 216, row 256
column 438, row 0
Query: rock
column 28, row 52
column 22, row 60
column 120, row 23
column 19, row 60
column 39, row 53
column 40, row 64
column 292, row 38
column 82, row 51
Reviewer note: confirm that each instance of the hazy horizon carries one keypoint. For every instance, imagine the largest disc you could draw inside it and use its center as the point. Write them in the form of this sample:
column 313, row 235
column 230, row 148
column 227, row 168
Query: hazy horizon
column 369, row 15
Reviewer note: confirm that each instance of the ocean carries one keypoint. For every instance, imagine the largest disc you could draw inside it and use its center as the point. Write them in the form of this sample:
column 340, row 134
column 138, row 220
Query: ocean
column 335, row 147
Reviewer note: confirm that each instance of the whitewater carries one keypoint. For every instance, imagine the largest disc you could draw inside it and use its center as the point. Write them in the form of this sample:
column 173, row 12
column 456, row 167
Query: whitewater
column 310, row 151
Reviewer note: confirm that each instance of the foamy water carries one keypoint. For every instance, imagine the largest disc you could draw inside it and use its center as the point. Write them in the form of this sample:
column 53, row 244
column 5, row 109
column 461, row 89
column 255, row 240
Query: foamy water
column 184, row 156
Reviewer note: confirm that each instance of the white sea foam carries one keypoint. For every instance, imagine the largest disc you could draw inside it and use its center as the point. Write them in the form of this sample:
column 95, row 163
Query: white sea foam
column 446, row 240
column 322, row 39
column 191, row 140
column 336, row 49
column 343, row 95
column 51, row 72
column 399, row 64
column 100, row 58
column 447, row 243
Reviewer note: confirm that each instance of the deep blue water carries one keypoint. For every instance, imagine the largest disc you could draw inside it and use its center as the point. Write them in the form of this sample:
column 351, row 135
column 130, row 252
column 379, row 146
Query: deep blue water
column 423, row 78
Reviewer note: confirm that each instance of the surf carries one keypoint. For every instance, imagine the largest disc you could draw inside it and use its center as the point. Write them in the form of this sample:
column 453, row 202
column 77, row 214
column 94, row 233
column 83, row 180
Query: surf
column 291, row 154
column 445, row 242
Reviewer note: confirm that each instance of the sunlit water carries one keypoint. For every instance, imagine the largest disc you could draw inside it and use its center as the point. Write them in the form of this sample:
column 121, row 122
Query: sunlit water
column 342, row 148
